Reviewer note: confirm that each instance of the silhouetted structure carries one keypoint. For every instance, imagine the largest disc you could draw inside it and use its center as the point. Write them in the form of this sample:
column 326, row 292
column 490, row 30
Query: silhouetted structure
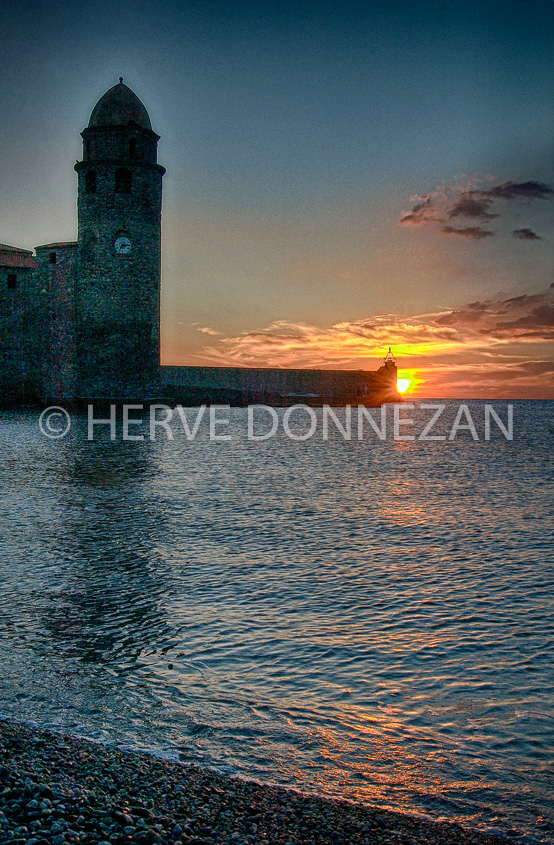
column 80, row 321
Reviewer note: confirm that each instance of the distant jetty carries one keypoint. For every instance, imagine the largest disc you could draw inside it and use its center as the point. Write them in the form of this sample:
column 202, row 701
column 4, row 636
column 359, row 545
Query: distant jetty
column 241, row 386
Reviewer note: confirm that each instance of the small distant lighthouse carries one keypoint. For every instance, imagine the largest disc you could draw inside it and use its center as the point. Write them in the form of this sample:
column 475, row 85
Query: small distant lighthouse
column 389, row 358
column 388, row 377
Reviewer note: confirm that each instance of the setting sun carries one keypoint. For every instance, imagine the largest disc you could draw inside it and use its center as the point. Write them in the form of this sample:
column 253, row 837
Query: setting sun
column 408, row 380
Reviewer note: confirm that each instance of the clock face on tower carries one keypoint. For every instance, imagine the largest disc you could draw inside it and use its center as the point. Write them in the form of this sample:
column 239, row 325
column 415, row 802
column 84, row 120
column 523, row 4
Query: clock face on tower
column 123, row 246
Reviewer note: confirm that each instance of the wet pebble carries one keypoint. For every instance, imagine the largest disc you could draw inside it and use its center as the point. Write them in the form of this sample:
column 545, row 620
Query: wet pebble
column 79, row 791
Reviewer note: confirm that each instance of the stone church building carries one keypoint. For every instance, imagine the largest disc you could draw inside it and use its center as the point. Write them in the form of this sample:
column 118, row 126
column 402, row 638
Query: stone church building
column 80, row 321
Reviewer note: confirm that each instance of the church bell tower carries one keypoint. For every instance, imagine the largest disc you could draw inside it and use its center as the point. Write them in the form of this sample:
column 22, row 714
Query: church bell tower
column 118, row 267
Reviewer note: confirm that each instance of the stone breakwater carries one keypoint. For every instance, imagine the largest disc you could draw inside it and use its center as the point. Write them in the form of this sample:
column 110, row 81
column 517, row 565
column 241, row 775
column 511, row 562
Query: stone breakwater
column 57, row 790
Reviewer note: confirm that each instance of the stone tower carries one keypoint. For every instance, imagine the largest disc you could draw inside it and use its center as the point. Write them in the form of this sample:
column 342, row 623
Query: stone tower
column 118, row 263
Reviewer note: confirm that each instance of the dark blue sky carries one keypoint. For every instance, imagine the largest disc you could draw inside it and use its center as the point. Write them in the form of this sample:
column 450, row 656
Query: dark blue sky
column 294, row 136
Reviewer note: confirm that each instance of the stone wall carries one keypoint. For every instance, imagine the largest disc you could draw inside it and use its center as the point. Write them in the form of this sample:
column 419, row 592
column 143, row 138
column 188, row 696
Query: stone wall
column 242, row 385
column 56, row 264
column 117, row 296
column 22, row 310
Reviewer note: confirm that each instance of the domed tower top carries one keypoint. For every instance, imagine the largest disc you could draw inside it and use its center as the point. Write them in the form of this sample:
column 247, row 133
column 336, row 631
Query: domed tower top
column 119, row 128
column 119, row 107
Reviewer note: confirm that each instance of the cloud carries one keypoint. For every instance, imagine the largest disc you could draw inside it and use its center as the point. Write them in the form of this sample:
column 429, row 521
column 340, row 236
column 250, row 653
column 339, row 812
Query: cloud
column 538, row 322
column 207, row 330
column 518, row 379
column 470, row 202
column 520, row 190
column 524, row 318
column 473, row 312
column 483, row 326
column 525, row 235
column 467, row 231
column 343, row 345
column 423, row 211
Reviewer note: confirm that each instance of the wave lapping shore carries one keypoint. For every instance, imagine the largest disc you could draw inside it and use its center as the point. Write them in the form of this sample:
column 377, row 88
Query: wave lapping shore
column 58, row 790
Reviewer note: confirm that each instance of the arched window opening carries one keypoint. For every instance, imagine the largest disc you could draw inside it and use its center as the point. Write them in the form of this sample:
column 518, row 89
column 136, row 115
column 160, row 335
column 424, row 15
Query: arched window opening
column 132, row 148
column 123, row 179
column 52, row 258
column 12, row 281
column 90, row 182
column 87, row 148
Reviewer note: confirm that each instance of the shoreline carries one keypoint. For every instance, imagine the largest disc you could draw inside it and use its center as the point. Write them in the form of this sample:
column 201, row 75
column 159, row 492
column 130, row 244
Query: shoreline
column 56, row 790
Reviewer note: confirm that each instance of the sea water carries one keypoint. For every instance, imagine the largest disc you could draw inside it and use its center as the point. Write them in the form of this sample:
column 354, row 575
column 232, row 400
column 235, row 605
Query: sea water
column 363, row 618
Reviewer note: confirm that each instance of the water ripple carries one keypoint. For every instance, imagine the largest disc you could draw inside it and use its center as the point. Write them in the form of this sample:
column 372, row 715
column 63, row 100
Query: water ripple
column 369, row 620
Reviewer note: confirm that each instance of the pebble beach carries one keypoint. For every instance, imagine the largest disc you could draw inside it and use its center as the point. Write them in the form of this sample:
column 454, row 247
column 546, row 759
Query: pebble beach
column 59, row 790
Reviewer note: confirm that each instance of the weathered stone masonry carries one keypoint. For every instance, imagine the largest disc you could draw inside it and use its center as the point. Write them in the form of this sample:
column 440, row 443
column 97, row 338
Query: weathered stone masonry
column 118, row 268
column 82, row 320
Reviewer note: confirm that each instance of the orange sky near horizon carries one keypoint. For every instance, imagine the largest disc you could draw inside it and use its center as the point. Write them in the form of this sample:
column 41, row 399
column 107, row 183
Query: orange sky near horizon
column 477, row 318
column 495, row 348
